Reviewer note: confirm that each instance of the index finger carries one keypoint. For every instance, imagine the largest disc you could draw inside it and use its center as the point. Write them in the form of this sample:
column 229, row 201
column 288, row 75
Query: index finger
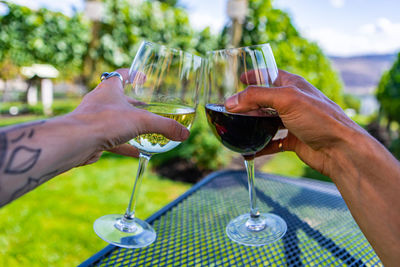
column 284, row 79
column 136, row 77
column 262, row 76
column 256, row 97
column 124, row 73
column 289, row 79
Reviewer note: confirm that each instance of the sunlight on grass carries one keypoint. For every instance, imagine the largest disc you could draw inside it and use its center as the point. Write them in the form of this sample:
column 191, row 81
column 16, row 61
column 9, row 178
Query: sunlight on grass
column 288, row 164
column 7, row 121
column 52, row 225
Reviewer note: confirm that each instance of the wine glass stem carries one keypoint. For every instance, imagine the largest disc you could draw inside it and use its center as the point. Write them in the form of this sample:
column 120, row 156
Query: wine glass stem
column 143, row 160
column 249, row 162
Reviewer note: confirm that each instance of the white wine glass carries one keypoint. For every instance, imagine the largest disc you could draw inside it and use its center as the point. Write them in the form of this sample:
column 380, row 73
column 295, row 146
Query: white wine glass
column 228, row 72
column 166, row 82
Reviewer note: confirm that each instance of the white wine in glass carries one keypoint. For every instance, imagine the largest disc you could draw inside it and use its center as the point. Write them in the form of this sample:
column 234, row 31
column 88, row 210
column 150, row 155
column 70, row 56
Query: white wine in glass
column 157, row 143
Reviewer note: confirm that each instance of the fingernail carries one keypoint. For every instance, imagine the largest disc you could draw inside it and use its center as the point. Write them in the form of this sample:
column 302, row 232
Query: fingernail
column 232, row 102
column 185, row 134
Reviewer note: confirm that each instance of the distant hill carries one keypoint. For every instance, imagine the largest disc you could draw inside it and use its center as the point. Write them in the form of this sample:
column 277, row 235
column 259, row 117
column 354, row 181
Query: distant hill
column 361, row 74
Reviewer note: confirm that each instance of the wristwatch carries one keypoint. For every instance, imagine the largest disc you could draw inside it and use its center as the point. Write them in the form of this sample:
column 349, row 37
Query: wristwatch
column 107, row 75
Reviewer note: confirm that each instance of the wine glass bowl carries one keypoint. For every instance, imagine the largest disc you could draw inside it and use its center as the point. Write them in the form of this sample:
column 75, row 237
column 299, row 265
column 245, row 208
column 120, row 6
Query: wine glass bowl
column 243, row 133
column 229, row 72
column 166, row 82
column 157, row 143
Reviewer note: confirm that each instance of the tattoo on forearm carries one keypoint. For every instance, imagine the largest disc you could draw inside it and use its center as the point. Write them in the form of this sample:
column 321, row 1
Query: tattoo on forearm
column 30, row 156
column 30, row 184
column 17, row 157
column 30, row 135
column 18, row 138
column 22, row 158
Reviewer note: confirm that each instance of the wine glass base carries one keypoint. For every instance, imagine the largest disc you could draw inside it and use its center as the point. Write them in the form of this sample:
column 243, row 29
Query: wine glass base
column 138, row 234
column 239, row 232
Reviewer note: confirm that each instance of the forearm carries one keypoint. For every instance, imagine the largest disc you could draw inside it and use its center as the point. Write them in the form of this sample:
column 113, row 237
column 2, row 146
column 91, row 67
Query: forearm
column 368, row 177
column 32, row 153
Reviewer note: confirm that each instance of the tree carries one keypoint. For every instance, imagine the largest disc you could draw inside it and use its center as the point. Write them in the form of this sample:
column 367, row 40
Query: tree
column 126, row 23
column 388, row 95
column 388, row 92
column 42, row 36
column 169, row 2
column 292, row 52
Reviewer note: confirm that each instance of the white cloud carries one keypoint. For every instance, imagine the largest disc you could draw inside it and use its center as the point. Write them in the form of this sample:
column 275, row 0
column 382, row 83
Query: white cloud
column 28, row 3
column 65, row 7
column 337, row 3
column 382, row 36
column 200, row 20
column 3, row 9
column 206, row 13
column 382, row 26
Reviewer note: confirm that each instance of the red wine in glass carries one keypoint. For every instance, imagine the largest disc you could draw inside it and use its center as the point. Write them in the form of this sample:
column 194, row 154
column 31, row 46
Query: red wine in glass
column 243, row 133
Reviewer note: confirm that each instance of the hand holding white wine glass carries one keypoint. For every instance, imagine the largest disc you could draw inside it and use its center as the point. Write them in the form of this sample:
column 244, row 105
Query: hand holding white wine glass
column 247, row 133
column 165, row 82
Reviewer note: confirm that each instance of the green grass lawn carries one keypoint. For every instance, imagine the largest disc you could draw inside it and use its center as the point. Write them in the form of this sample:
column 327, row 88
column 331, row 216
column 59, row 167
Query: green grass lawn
column 52, row 225
column 7, row 121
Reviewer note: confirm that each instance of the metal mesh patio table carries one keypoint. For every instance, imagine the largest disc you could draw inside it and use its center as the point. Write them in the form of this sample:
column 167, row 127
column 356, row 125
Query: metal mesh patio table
column 191, row 229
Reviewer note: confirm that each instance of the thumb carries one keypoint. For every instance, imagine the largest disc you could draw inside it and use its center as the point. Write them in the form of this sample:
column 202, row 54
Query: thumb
column 169, row 128
column 255, row 97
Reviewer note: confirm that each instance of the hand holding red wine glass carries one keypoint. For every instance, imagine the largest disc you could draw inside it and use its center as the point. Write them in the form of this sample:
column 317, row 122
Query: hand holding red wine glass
column 229, row 72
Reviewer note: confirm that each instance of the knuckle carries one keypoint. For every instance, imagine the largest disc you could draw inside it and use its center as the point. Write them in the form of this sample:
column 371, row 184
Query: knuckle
column 290, row 90
column 143, row 119
column 290, row 95
column 295, row 79
column 250, row 94
column 253, row 90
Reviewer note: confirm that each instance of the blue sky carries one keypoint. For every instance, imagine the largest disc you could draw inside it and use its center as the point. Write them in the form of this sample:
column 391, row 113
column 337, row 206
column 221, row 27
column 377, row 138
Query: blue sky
column 340, row 27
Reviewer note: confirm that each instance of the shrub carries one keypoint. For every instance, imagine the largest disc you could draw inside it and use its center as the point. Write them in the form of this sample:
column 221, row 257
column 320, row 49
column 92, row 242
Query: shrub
column 64, row 106
column 59, row 107
column 351, row 101
column 388, row 92
column 395, row 148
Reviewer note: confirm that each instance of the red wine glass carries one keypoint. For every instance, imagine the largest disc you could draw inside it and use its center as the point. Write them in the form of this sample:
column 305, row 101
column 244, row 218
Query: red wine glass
column 228, row 72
